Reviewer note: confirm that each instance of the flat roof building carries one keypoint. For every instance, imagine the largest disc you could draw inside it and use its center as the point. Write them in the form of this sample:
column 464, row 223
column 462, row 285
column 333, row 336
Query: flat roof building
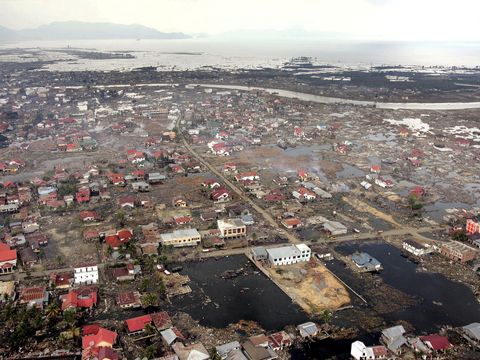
column 287, row 255
column 232, row 228
column 179, row 238
column 458, row 251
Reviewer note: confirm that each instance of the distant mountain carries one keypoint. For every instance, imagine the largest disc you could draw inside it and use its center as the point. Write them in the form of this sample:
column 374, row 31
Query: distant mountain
column 73, row 30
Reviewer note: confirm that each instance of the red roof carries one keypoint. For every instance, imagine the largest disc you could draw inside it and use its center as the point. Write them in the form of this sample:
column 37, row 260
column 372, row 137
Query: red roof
column 102, row 336
column 91, row 329
column 32, row 293
column 88, row 214
column 124, row 235
column 161, row 320
column 80, row 298
column 437, row 342
column 6, row 254
column 113, row 241
column 138, row 323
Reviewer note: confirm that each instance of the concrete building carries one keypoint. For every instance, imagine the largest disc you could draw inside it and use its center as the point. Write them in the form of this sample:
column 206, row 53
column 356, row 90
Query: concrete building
column 259, row 253
column 85, row 275
column 414, row 247
column 179, row 238
column 458, row 251
column 334, row 228
column 232, row 228
column 287, row 255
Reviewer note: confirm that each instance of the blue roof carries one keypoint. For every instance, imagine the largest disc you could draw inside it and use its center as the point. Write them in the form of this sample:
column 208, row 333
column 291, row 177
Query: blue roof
column 365, row 260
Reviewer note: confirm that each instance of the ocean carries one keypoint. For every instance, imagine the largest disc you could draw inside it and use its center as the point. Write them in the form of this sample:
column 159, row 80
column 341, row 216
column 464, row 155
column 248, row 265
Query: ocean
column 204, row 53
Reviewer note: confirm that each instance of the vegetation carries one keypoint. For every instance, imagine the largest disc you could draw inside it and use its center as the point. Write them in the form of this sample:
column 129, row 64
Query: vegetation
column 19, row 325
column 415, row 203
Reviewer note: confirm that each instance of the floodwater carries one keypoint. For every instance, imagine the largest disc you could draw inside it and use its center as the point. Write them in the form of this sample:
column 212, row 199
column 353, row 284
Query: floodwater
column 218, row 302
column 331, row 100
column 439, row 209
column 441, row 301
column 349, row 171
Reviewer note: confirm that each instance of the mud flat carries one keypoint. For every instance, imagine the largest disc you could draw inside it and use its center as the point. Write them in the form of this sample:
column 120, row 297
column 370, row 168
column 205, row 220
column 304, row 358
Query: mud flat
column 311, row 286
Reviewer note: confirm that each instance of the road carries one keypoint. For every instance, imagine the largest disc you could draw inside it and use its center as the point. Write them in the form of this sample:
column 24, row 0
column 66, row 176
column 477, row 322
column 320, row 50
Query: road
column 266, row 216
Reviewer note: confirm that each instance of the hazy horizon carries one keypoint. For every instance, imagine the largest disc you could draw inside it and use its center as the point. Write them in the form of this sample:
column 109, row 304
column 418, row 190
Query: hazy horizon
column 373, row 20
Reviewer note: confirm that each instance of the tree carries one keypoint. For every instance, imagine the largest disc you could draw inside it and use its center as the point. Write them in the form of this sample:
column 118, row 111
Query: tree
column 149, row 352
column 120, row 217
column 52, row 311
column 460, row 235
column 327, row 316
column 150, row 299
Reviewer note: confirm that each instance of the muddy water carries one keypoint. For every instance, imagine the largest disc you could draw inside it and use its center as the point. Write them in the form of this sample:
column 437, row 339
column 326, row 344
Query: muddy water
column 218, row 302
column 440, row 300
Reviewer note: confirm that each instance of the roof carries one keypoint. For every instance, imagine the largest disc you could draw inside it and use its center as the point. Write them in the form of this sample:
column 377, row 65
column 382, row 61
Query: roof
column 258, row 352
column 34, row 293
column 101, row 337
column 85, row 297
column 128, row 298
column 436, row 342
column 393, row 332
column 191, row 352
column 138, row 323
column 90, row 329
column 365, row 260
column 171, row 334
column 414, row 244
column 180, row 234
column 259, row 251
column 283, row 252
column 307, row 329
column 161, row 320
column 224, row 349
column 334, row 226
column 473, row 330
column 236, row 355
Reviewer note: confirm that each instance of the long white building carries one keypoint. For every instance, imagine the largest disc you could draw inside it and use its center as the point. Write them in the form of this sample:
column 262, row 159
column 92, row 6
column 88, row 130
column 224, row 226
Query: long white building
column 179, row 238
column 86, row 275
column 287, row 255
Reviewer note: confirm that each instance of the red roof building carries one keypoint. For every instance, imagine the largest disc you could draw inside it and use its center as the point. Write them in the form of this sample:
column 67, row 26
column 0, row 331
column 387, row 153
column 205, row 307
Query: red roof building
column 83, row 195
column 436, row 342
column 161, row 320
column 473, row 226
column 103, row 338
column 137, row 324
column 85, row 297
column 8, row 259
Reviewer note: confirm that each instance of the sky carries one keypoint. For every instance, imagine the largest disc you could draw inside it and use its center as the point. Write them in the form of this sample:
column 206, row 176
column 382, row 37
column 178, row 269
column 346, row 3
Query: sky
column 422, row 20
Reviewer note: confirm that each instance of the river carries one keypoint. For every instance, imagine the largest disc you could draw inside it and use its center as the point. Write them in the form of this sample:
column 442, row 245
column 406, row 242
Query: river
column 332, row 100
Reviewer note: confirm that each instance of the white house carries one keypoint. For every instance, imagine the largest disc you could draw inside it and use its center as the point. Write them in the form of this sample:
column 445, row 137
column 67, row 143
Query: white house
column 414, row 248
column 287, row 255
column 86, row 275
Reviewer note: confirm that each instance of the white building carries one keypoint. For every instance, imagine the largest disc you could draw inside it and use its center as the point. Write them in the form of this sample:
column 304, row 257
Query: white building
column 414, row 248
column 232, row 228
column 86, row 275
column 179, row 238
column 287, row 255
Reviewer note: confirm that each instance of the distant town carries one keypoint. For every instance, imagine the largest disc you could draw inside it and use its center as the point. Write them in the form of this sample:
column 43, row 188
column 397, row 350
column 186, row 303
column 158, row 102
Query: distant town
column 305, row 212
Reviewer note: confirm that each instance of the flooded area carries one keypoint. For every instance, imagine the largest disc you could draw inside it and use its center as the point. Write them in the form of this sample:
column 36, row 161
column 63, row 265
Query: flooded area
column 440, row 301
column 218, row 302
column 332, row 100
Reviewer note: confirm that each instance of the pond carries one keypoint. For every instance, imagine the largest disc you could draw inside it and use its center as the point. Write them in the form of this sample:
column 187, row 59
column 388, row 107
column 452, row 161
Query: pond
column 218, row 302
column 441, row 300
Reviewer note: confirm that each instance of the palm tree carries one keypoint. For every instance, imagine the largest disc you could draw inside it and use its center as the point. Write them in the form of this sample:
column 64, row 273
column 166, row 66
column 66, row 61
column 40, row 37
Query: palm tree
column 52, row 311
column 327, row 316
